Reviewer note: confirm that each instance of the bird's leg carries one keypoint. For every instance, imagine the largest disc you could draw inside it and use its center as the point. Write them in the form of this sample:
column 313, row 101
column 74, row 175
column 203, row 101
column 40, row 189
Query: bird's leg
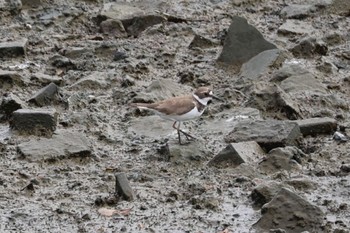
column 178, row 131
column 188, row 136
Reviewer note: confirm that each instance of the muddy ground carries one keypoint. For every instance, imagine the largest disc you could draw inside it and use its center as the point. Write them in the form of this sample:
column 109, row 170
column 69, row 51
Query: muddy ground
column 175, row 191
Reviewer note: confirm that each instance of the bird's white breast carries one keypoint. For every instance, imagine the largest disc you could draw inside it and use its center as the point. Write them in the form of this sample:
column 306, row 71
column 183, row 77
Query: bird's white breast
column 194, row 113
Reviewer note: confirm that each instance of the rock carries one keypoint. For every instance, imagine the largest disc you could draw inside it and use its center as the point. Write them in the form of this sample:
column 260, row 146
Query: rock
column 268, row 134
column 77, row 52
column 138, row 24
column 122, row 187
column 303, row 83
column 31, row 3
column 118, row 55
column 286, row 71
column 193, row 151
column 13, row 49
column 119, row 11
column 274, row 102
column 290, row 212
column 345, row 168
column 113, row 27
column 265, row 192
column 283, row 158
column 315, row 126
column 243, row 41
column 295, row 11
column 45, row 95
column 333, row 38
column 201, row 42
column 236, row 153
column 295, row 27
column 9, row 78
column 259, row 65
column 327, row 66
column 40, row 122
column 96, row 80
column 302, row 184
column 63, row 144
column 337, row 136
column 9, row 104
column 59, row 61
column 309, row 47
column 46, row 79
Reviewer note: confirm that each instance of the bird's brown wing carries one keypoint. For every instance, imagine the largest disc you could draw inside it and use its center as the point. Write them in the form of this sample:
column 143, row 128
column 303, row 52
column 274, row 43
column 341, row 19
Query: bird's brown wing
column 181, row 105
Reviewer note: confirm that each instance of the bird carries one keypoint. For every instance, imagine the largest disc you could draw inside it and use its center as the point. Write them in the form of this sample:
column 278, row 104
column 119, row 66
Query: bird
column 181, row 108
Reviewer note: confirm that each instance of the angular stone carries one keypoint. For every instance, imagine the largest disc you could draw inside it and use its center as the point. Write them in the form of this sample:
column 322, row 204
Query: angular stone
column 309, row 47
column 236, row 153
column 303, row 83
column 77, row 52
column 46, row 79
column 45, row 95
column 9, row 104
column 63, row 144
column 259, row 65
column 122, row 187
column 295, row 27
column 282, row 159
column 268, row 134
column 95, row 80
column 138, row 24
column 286, row 71
column 315, row 126
column 274, row 102
column 290, row 212
column 302, row 184
column 243, row 41
column 265, row 192
column 40, row 122
column 200, row 42
column 13, row 49
column 295, row 11
column 119, row 11
column 9, row 78
column 113, row 27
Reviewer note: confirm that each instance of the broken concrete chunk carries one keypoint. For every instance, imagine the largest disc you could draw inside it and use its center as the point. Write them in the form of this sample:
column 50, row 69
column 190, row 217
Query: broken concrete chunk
column 268, row 134
column 291, row 213
column 236, row 153
column 63, row 144
column 13, row 49
column 45, row 95
column 122, row 187
column 315, row 126
column 41, row 122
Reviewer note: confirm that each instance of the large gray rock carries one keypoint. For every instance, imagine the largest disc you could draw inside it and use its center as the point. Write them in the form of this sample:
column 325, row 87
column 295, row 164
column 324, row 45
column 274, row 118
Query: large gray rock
column 9, row 78
column 63, row 144
column 243, row 41
column 315, row 126
column 113, row 27
column 259, row 65
column 295, row 27
column 268, row 134
column 236, row 153
column 295, row 11
column 113, row 10
column 274, row 102
column 286, row 71
column 9, row 104
column 289, row 212
column 138, row 24
column 40, row 122
column 303, row 83
column 309, row 47
column 265, row 192
column 282, row 159
column 45, row 95
column 46, row 79
column 13, row 49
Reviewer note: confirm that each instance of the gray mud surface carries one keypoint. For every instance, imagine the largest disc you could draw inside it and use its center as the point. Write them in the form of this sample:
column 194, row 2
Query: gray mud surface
column 98, row 74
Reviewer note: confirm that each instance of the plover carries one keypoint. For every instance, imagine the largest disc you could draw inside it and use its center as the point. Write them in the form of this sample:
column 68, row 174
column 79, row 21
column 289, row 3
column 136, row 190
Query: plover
column 181, row 108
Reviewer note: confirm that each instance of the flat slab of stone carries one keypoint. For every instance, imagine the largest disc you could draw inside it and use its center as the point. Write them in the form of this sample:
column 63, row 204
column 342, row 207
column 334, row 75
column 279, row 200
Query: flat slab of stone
column 243, row 41
column 13, row 49
column 315, row 126
column 235, row 154
column 41, row 122
column 303, row 83
column 119, row 11
column 63, row 144
column 268, row 134
column 296, row 11
column 290, row 213
column 295, row 27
